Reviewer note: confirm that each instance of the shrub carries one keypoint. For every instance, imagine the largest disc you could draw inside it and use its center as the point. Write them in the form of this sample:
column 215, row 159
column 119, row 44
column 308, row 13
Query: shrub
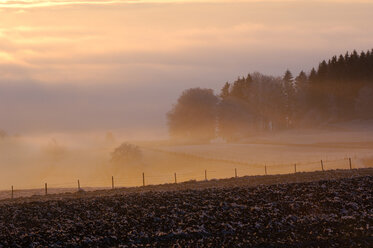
column 126, row 153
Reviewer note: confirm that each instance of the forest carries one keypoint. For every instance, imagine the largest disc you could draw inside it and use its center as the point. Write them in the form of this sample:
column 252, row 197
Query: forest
column 338, row 90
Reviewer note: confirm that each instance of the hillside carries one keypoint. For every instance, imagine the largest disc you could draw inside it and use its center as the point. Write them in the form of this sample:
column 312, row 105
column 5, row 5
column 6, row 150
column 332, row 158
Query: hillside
column 334, row 212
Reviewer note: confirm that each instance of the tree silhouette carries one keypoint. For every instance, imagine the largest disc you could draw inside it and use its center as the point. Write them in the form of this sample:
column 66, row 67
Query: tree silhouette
column 340, row 89
column 193, row 117
column 225, row 91
column 301, row 98
column 126, row 154
column 289, row 93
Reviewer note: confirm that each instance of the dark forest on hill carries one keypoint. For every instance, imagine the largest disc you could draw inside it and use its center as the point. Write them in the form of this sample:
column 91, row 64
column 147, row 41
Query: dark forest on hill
column 338, row 90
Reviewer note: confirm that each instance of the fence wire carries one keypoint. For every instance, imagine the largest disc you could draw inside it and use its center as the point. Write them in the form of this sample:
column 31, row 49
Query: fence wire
column 148, row 178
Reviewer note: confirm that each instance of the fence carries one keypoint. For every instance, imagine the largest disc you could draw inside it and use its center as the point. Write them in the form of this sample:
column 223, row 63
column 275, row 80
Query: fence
column 178, row 177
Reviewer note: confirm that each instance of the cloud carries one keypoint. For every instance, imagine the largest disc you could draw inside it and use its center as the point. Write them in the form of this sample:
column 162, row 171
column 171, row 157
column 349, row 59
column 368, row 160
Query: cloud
column 190, row 47
column 26, row 4
column 48, row 3
column 37, row 4
column 114, row 62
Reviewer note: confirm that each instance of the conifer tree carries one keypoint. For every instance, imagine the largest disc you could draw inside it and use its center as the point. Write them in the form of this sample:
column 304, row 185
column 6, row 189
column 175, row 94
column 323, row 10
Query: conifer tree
column 225, row 91
column 289, row 93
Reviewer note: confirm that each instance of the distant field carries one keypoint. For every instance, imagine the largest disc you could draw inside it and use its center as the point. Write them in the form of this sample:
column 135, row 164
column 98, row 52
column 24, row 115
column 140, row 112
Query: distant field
column 279, row 158
column 270, row 154
column 190, row 163
column 304, row 148
column 26, row 164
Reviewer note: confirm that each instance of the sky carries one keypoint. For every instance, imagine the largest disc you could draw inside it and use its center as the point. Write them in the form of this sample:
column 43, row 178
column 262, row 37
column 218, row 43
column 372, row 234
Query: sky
column 106, row 65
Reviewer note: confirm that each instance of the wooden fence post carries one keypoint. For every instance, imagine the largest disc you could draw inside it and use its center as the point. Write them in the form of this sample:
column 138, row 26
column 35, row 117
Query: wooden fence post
column 235, row 172
column 112, row 182
column 12, row 192
column 265, row 169
column 78, row 185
column 205, row 175
column 322, row 165
column 295, row 168
column 175, row 178
column 143, row 179
column 349, row 159
column 46, row 188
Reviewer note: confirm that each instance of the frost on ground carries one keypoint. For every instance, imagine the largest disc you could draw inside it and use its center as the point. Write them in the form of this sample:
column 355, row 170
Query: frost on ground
column 327, row 213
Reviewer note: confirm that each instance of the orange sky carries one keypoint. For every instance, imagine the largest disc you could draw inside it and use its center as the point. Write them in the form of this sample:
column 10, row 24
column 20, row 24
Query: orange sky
column 46, row 42
column 160, row 48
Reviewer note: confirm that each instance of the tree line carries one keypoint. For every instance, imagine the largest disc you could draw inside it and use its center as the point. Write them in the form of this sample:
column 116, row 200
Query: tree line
column 340, row 89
